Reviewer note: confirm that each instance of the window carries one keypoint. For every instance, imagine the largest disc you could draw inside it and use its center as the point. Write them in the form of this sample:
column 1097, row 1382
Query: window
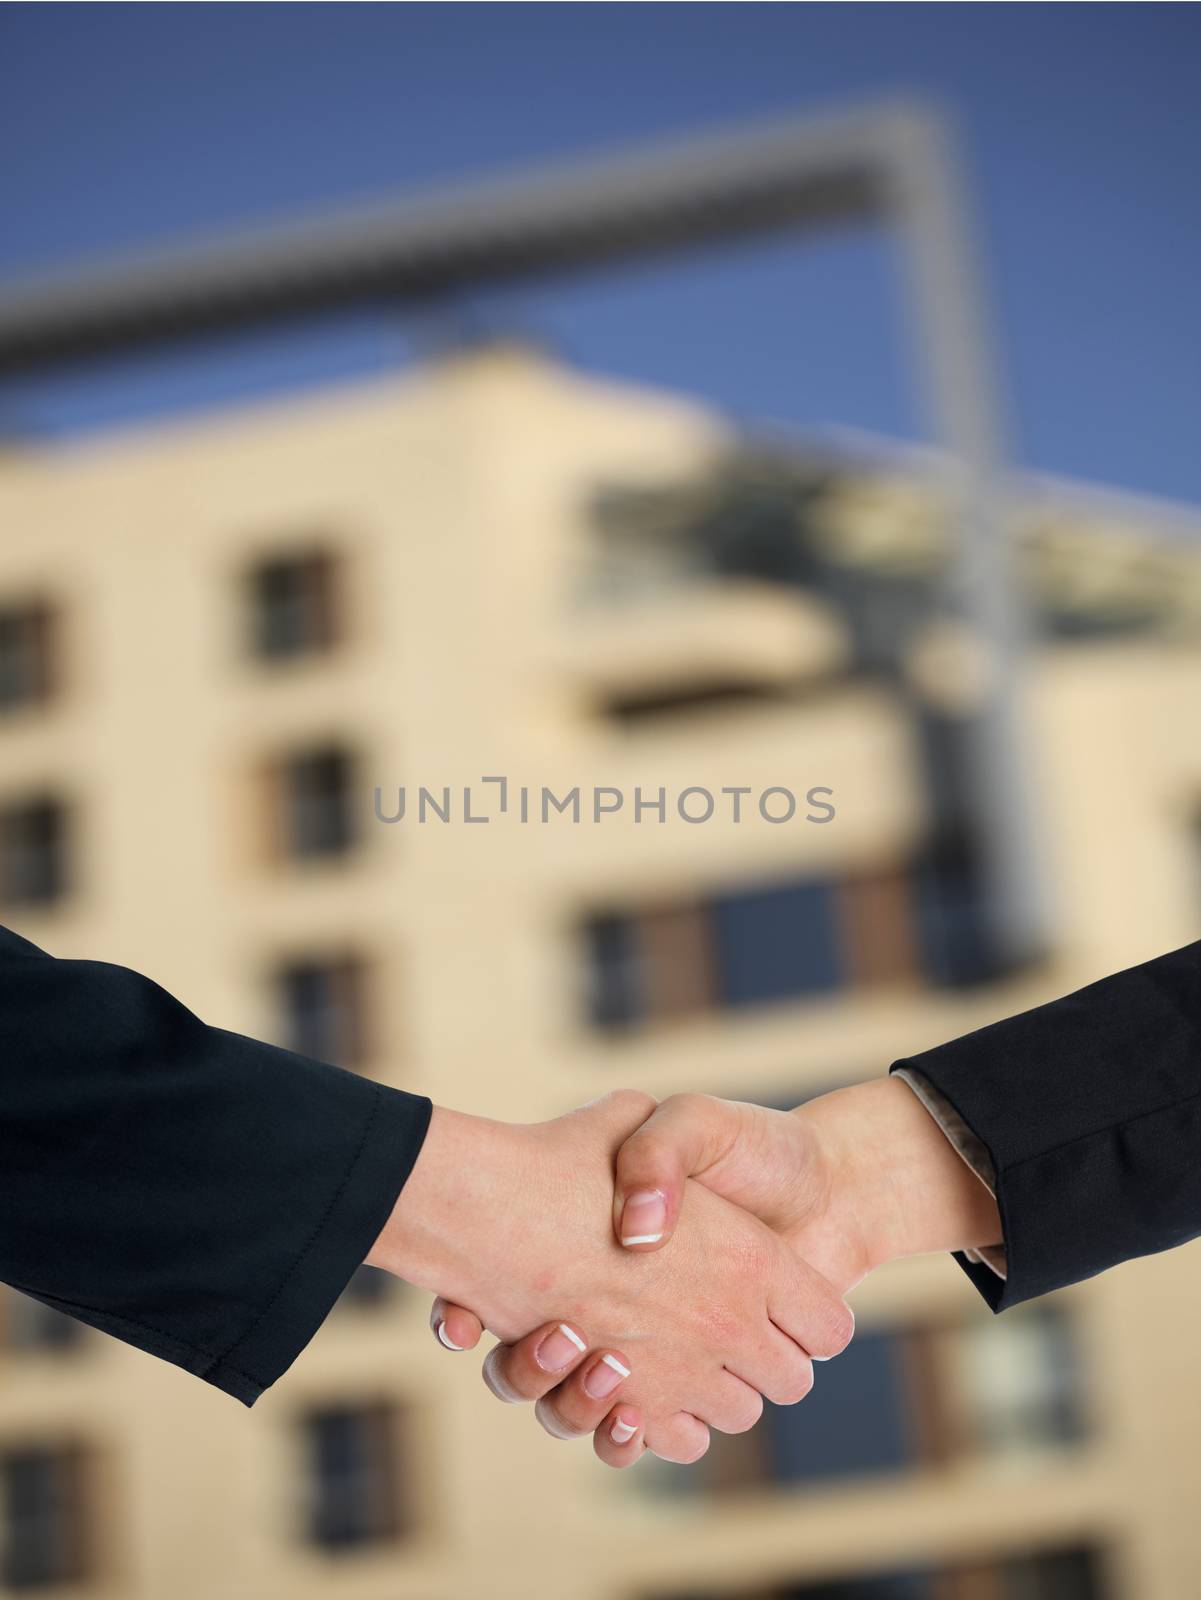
column 954, row 928
column 323, row 1009
column 26, row 643
column 42, row 1534
column 859, row 1425
column 1043, row 1575
column 778, row 943
column 354, row 1487
column 615, row 987
column 1016, row 1386
column 635, row 707
column 856, row 1421
column 28, row 1326
column 292, row 605
column 886, row 925
column 956, row 938
column 33, row 851
column 1071, row 1574
column 656, row 965
column 929, row 1395
column 316, row 813
column 750, row 947
column 873, row 1586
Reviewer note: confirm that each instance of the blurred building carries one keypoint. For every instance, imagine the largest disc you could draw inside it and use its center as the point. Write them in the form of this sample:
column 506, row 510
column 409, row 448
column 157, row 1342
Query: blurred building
column 225, row 647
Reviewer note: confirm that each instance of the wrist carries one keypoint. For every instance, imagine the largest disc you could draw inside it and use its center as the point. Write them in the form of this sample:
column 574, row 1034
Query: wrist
column 514, row 1220
column 438, row 1234
column 906, row 1189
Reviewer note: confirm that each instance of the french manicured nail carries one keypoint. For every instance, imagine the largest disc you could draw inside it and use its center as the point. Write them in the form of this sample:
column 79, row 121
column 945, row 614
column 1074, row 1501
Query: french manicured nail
column 604, row 1377
column 643, row 1217
column 445, row 1339
column 561, row 1345
column 622, row 1432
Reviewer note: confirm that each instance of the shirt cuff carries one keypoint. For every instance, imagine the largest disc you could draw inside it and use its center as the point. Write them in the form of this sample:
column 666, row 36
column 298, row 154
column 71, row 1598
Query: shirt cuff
column 967, row 1146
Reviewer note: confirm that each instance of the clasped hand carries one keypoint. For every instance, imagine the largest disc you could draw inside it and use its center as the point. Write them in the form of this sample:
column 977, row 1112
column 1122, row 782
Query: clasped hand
column 696, row 1308
column 691, row 1255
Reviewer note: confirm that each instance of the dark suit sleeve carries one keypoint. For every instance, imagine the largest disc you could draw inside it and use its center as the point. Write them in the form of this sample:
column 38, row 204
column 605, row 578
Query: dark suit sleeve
column 197, row 1194
column 1090, row 1110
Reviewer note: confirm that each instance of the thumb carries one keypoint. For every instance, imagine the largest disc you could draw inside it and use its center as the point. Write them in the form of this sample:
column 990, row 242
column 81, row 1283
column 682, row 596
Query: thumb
column 683, row 1136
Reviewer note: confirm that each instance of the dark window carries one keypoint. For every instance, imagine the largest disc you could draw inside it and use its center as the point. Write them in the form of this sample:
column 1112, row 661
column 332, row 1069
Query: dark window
column 888, row 925
column 635, row 706
column 667, row 963
column 324, row 1005
column 954, row 927
column 616, row 991
column 778, row 944
column 292, row 604
column 41, row 1502
column 33, row 851
column 908, row 1585
column 316, row 794
column 956, row 932
column 26, row 662
column 858, row 1420
column 652, row 966
column 870, row 1586
column 1040, row 1575
column 774, row 944
column 354, row 1478
column 855, row 1422
column 926, row 1396
column 1048, row 1575
column 26, row 1325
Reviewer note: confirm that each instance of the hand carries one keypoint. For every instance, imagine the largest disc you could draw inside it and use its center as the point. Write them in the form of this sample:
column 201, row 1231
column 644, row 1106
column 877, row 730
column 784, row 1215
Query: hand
column 513, row 1221
column 849, row 1180
column 852, row 1179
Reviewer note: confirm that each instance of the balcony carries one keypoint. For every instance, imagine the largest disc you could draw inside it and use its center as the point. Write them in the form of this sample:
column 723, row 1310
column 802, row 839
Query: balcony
column 701, row 643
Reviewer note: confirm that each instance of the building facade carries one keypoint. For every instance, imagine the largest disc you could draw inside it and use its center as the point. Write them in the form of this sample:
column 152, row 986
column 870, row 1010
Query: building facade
column 233, row 649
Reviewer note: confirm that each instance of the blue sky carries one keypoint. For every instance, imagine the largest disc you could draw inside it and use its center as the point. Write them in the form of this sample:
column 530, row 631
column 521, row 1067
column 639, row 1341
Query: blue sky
column 1081, row 127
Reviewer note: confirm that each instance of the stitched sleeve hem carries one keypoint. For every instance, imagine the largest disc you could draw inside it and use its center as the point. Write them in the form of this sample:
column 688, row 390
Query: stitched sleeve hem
column 393, row 1133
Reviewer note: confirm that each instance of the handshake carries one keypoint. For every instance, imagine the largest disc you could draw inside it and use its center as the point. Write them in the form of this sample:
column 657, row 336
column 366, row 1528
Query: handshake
column 676, row 1263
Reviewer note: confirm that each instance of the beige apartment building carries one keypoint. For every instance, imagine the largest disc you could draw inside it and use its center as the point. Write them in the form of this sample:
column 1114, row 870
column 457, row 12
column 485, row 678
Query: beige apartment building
column 227, row 644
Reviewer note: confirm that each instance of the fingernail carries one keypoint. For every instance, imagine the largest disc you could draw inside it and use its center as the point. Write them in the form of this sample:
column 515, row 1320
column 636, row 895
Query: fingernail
column 445, row 1339
column 622, row 1432
column 604, row 1377
column 561, row 1345
column 644, row 1217
column 495, row 1379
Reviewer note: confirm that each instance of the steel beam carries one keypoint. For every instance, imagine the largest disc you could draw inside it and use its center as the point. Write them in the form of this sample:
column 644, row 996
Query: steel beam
column 792, row 174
